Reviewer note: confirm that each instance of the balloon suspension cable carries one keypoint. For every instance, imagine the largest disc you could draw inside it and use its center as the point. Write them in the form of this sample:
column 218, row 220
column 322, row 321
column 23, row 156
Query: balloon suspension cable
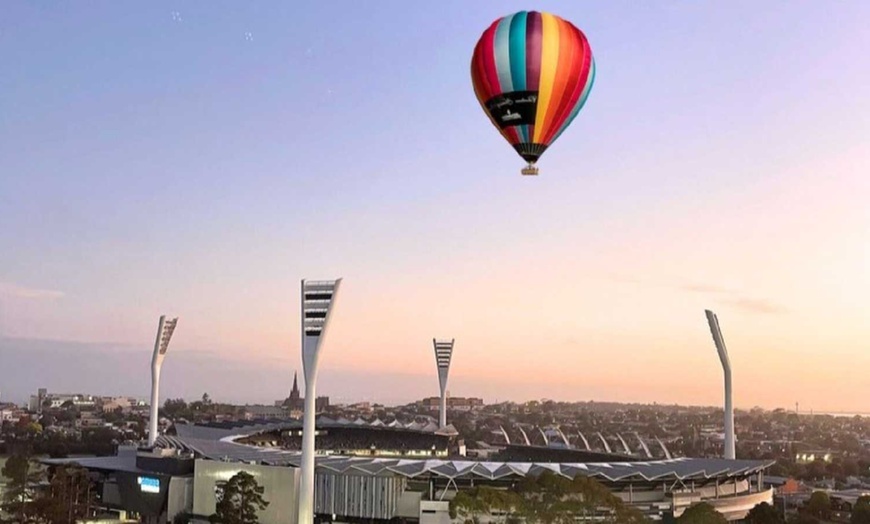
column 530, row 169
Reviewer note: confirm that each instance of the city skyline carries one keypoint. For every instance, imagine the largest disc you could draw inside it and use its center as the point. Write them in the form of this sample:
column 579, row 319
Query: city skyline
column 193, row 167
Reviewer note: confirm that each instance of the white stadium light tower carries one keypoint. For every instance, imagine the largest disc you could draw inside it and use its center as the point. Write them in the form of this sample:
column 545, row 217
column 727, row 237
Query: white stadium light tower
column 165, row 328
column 443, row 354
column 713, row 320
column 318, row 298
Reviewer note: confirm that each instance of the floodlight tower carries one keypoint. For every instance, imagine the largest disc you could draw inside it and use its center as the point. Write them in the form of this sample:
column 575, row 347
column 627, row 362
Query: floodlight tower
column 165, row 328
column 713, row 320
column 443, row 353
column 318, row 297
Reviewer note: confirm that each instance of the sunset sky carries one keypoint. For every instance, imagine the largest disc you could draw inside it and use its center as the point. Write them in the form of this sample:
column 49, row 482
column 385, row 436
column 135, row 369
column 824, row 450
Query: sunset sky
column 200, row 158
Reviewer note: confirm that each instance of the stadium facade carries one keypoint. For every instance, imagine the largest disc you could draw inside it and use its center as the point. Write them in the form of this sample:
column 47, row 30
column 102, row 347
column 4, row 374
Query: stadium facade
column 401, row 473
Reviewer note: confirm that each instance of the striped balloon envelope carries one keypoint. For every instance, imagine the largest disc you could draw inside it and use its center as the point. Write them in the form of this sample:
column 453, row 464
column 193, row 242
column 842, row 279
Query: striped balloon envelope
column 532, row 73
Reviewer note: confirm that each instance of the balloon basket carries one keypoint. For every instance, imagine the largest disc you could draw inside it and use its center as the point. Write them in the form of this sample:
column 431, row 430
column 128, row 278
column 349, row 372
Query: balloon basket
column 530, row 170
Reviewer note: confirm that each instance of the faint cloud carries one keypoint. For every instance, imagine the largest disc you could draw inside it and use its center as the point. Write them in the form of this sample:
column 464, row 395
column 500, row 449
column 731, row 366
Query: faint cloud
column 176, row 16
column 733, row 299
column 756, row 305
column 702, row 288
column 12, row 290
column 725, row 296
column 249, row 36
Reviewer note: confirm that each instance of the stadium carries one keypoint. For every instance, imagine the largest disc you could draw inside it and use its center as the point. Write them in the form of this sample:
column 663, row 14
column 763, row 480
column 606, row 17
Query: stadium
column 375, row 472
column 327, row 470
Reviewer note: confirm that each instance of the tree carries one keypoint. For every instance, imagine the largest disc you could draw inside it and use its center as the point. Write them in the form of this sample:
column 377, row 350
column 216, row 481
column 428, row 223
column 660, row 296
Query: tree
column 113, row 416
column 702, row 513
column 544, row 498
column 817, row 469
column 834, row 469
column 764, row 513
column 850, row 467
column 56, row 448
column 861, row 511
column 484, row 500
column 18, row 494
column 819, row 505
column 70, row 497
column 239, row 500
column 47, row 420
column 466, row 505
column 551, row 498
column 27, row 429
column 174, row 409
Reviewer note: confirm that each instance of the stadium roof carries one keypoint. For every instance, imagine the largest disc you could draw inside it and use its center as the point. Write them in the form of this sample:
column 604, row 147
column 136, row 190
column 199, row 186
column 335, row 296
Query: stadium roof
column 673, row 469
column 664, row 470
column 222, row 430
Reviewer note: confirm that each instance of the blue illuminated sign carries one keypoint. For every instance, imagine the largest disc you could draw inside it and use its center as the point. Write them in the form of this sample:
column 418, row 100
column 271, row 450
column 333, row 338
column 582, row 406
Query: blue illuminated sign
column 149, row 485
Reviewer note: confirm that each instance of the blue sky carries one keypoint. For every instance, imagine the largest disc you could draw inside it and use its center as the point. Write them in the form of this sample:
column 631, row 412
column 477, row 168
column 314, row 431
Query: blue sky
column 201, row 158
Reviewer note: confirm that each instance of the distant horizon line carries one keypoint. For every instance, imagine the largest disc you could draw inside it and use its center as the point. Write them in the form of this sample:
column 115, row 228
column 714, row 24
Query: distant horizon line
column 394, row 403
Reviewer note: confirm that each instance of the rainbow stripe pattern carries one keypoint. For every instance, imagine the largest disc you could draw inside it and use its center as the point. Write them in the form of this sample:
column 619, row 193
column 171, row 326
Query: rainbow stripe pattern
column 532, row 73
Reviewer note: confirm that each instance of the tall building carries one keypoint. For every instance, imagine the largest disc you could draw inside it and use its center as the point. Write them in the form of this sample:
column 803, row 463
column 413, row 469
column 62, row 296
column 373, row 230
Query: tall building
column 41, row 393
column 294, row 401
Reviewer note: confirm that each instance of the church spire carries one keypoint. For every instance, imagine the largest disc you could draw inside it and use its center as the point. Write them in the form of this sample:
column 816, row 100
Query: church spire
column 295, row 386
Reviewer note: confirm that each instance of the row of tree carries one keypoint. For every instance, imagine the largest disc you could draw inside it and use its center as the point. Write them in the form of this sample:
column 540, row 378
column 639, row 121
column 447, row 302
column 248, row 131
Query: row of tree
column 817, row 509
column 820, row 507
column 34, row 495
column 838, row 468
column 199, row 410
column 552, row 499
column 547, row 498
column 98, row 441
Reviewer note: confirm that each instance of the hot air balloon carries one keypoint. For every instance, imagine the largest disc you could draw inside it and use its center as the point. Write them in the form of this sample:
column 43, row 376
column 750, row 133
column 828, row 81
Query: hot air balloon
column 532, row 73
